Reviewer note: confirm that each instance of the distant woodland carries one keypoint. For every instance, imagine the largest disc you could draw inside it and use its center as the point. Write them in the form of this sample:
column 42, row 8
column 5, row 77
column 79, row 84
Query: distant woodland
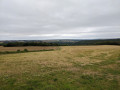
column 61, row 43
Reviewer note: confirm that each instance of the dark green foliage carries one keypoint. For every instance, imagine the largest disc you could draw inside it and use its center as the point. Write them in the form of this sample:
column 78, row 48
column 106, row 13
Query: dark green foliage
column 25, row 50
column 13, row 44
column 1, row 44
column 99, row 42
column 63, row 43
column 18, row 50
column 55, row 79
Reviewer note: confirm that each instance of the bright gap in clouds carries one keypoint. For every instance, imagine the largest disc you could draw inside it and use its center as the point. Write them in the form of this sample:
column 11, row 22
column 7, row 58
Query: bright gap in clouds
column 55, row 19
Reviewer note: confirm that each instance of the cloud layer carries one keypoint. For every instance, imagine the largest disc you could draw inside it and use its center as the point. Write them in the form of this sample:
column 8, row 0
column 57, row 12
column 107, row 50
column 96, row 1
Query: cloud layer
column 59, row 19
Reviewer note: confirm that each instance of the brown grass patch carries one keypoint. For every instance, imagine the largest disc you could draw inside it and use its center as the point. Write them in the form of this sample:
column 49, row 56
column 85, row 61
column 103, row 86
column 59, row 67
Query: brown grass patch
column 29, row 48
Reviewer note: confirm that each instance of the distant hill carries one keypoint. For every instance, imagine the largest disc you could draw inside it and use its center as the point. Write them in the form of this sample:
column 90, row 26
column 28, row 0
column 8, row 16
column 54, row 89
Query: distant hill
column 60, row 42
column 99, row 42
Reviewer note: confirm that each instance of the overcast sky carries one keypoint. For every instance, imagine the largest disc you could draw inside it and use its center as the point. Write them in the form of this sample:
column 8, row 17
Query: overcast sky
column 59, row 19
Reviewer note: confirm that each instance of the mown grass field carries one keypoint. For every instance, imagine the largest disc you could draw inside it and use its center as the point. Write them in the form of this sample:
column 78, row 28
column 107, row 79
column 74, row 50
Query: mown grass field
column 70, row 68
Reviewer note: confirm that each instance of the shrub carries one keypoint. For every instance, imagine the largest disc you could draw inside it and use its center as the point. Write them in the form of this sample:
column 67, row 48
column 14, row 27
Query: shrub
column 18, row 50
column 25, row 50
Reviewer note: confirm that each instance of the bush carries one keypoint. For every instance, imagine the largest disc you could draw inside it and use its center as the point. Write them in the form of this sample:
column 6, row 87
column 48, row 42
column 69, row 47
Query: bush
column 18, row 50
column 25, row 50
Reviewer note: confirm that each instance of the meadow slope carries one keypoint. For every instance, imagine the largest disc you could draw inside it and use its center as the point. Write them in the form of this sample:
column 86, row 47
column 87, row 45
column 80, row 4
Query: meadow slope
column 70, row 68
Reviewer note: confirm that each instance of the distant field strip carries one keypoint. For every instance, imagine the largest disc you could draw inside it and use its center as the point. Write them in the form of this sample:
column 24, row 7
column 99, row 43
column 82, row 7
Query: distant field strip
column 29, row 48
column 69, row 68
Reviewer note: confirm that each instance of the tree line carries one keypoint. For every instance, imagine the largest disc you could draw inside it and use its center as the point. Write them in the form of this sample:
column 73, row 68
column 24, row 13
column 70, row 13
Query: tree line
column 98, row 42
column 13, row 44
column 61, row 43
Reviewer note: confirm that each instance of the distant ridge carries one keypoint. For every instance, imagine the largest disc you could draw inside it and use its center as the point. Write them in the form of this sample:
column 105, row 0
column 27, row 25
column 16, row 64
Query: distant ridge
column 60, row 42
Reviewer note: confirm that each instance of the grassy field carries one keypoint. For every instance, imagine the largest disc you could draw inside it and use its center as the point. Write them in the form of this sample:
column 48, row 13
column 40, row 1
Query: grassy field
column 70, row 68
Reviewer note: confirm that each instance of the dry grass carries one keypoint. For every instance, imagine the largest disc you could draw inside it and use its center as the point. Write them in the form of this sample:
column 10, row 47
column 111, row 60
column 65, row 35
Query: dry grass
column 67, row 57
column 78, row 60
column 30, row 48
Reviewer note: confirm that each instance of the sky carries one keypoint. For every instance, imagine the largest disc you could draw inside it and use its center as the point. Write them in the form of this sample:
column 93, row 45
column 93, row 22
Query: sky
column 59, row 19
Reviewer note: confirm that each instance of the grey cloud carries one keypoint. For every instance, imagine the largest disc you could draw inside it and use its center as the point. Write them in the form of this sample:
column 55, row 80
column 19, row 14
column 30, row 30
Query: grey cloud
column 55, row 19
